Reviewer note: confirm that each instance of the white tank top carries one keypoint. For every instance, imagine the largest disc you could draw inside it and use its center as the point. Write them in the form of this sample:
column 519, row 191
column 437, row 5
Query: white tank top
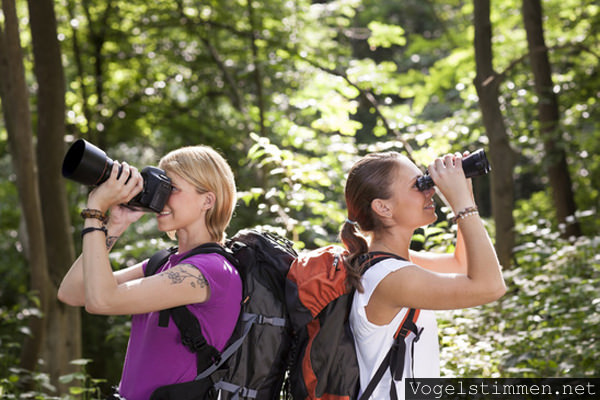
column 374, row 341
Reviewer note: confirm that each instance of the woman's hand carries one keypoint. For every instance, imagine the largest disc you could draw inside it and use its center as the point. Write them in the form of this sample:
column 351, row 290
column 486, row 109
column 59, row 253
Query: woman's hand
column 121, row 217
column 119, row 188
column 449, row 177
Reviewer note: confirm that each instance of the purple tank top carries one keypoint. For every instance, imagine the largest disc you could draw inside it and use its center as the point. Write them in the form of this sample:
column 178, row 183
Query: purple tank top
column 155, row 356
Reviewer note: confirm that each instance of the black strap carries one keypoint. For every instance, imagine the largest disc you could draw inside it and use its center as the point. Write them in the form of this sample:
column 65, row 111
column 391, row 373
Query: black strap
column 188, row 325
column 158, row 259
column 371, row 258
column 399, row 346
column 394, row 359
column 377, row 377
column 192, row 337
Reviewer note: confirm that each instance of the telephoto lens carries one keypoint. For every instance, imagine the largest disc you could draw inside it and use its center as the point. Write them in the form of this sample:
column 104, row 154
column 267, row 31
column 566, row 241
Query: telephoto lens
column 475, row 164
column 87, row 164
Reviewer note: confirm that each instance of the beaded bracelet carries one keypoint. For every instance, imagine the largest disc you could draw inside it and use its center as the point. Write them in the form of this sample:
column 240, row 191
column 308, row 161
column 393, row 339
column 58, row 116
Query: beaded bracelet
column 94, row 228
column 467, row 212
column 91, row 213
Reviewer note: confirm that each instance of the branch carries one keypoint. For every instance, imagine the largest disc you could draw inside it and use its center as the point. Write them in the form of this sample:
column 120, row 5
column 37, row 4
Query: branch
column 236, row 98
column 519, row 60
column 370, row 97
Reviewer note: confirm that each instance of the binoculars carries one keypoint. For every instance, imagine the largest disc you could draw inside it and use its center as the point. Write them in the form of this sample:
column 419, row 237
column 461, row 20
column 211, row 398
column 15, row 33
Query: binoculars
column 87, row 164
column 475, row 164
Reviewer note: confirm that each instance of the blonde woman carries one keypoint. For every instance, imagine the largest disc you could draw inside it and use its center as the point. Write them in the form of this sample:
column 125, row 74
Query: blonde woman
column 198, row 211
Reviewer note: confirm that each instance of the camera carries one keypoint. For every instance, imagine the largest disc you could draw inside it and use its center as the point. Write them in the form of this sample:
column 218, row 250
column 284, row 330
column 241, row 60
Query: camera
column 475, row 164
column 87, row 164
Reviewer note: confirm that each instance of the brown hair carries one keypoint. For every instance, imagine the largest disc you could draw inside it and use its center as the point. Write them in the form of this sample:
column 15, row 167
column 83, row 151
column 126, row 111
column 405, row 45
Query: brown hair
column 369, row 178
column 207, row 170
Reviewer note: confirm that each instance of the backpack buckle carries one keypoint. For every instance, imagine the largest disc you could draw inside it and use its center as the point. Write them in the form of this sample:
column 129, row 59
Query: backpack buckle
column 193, row 343
column 404, row 331
column 245, row 392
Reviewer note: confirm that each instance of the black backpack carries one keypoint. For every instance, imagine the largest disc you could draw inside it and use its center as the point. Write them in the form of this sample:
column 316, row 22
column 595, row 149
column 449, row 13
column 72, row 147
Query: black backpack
column 254, row 362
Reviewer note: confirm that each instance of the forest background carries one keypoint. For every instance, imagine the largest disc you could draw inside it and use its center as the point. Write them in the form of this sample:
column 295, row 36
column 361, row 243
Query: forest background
column 292, row 93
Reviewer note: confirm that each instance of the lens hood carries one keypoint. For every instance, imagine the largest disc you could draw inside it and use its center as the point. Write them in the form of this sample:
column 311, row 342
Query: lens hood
column 86, row 164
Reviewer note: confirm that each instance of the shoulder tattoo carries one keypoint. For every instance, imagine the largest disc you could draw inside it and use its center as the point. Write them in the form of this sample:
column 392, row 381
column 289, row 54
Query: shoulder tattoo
column 186, row 273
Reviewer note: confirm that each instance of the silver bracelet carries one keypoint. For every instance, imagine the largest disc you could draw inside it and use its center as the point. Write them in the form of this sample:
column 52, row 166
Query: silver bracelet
column 467, row 212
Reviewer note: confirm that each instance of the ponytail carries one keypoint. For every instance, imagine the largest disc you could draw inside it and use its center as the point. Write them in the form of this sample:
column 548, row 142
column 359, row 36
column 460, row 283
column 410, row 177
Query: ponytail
column 369, row 179
column 356, row 246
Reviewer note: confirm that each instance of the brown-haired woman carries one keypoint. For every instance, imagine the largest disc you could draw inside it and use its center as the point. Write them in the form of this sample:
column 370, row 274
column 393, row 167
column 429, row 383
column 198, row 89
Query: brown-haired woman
column 385, row 207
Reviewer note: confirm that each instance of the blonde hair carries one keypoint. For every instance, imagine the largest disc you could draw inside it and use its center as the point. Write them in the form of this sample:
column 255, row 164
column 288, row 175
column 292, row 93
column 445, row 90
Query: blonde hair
column 207, row 171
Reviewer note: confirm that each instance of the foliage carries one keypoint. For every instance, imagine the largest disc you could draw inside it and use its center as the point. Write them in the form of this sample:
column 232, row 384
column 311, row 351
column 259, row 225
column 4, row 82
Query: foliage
column 89, row 387
column 545, row 326
column 12, row 264
column 12, row 332
column 23, row 384
column 292, row 93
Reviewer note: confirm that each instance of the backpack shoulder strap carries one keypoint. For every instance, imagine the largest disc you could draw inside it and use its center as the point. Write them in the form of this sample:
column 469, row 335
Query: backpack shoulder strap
column 158, row 259
column 394, row 359
column 187, row 324
column 373, row 257
column 211, row 248
column 192, row 336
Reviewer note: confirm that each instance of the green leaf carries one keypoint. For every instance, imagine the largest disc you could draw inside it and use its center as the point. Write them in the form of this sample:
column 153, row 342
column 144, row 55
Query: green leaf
column 384, row 35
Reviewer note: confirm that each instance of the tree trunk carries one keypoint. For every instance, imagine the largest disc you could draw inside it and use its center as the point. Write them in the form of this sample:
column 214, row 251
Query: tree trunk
column 15, row 106
column 556, row 160
column 258, row 80
column 63, row 339
column 502, row 157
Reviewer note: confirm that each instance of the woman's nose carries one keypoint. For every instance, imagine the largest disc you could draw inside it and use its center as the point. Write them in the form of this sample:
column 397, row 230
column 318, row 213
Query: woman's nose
column 429, row 192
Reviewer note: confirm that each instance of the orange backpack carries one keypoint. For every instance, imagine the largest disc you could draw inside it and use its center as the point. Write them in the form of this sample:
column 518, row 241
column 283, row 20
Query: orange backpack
column 324, row 364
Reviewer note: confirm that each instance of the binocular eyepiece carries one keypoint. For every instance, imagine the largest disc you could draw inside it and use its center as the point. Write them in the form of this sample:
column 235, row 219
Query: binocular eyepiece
column 87, row 164
column 475, row 164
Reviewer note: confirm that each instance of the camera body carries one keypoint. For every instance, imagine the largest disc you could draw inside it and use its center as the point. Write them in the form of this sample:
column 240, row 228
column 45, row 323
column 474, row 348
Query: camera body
column 156, row 192
column 475, row 164
column 87, row 164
